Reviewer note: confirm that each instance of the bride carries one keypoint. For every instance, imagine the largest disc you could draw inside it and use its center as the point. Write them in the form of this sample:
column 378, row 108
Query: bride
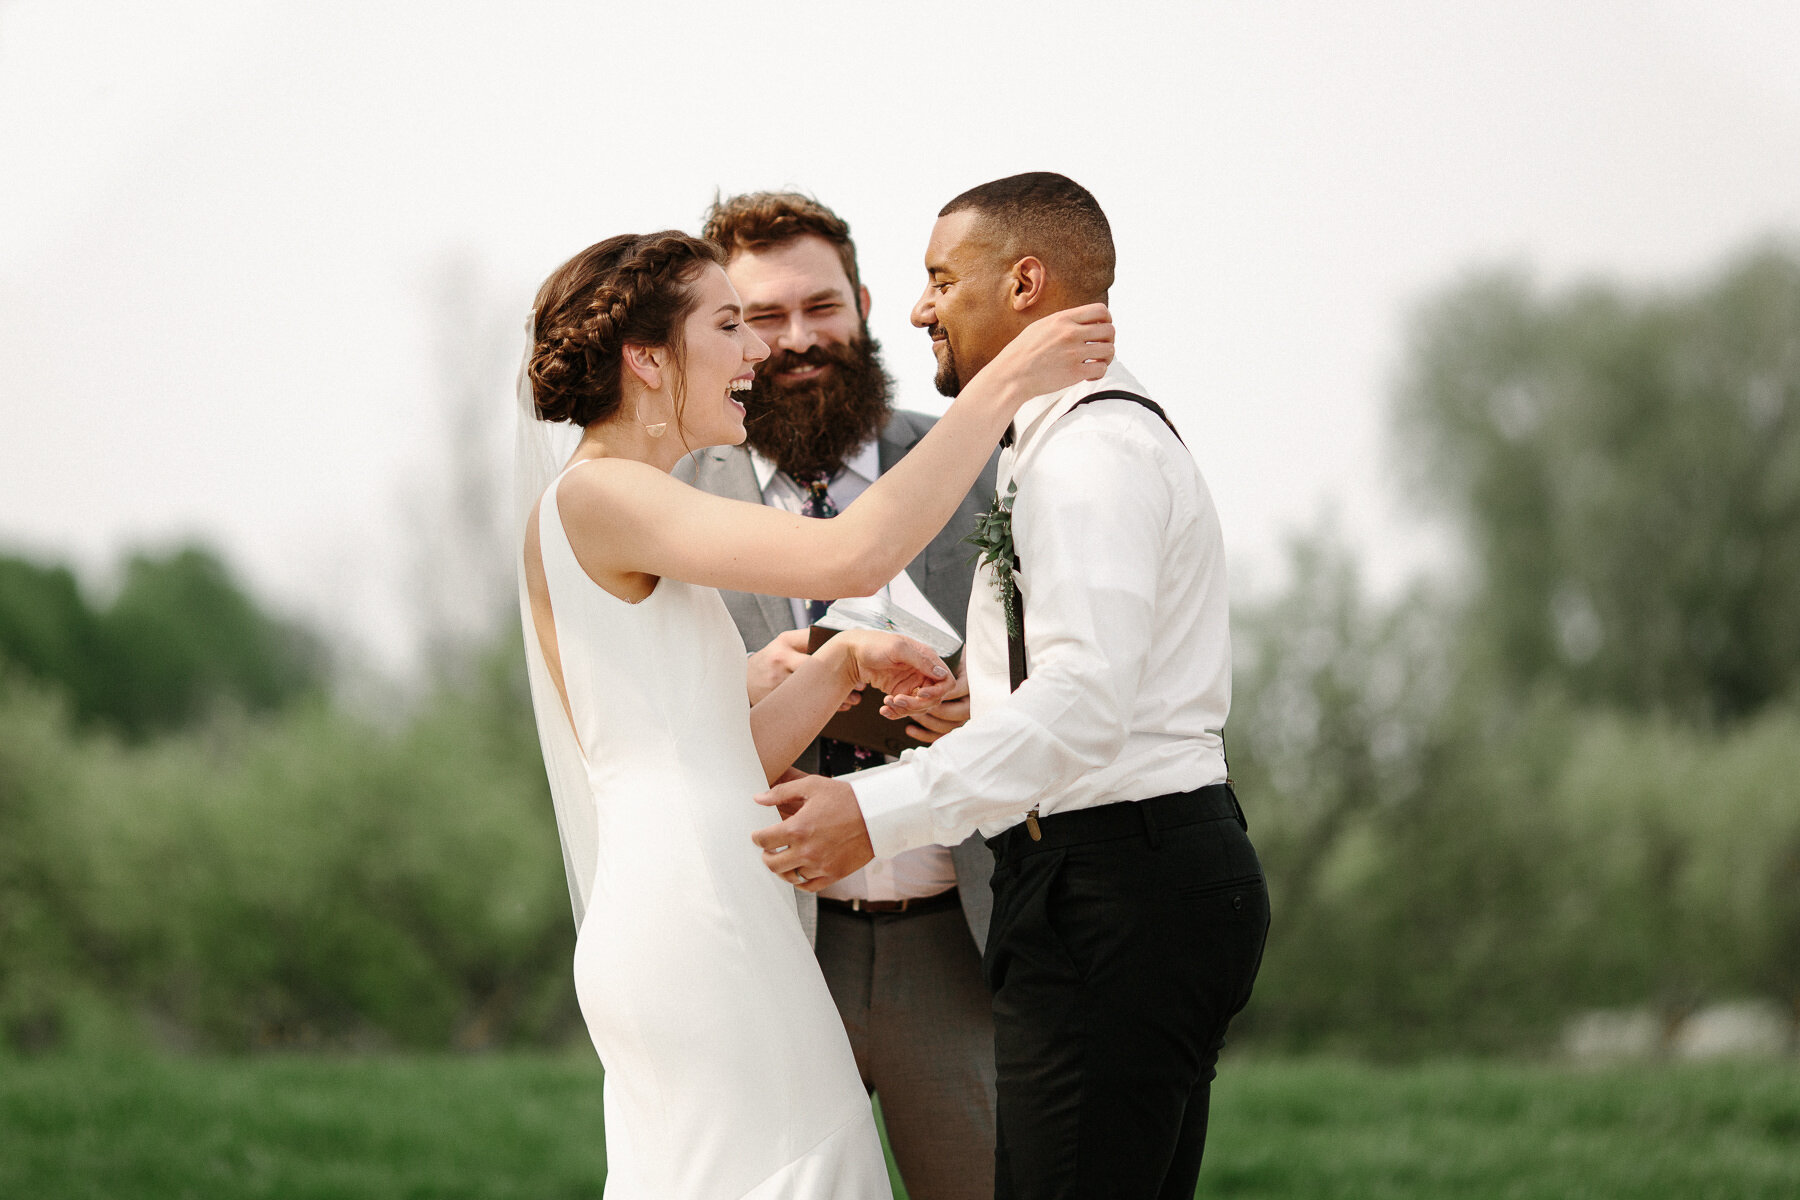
column 727, row 1070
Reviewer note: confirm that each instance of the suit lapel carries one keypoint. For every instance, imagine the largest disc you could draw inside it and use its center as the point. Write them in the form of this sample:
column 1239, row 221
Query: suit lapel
column 944, row 569
column 897, row 437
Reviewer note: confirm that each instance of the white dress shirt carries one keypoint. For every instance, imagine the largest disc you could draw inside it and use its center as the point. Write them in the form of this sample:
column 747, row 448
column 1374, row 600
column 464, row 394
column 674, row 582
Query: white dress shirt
column 1127, row 636
column 914, row 873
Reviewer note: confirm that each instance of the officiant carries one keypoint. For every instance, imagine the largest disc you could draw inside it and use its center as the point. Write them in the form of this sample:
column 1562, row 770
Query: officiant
column 900, row 940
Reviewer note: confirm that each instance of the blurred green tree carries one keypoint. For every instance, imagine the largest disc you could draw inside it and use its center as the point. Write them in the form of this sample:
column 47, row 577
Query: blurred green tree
column 1627, row 468
column 1383, row 785
column 185, row 637
column 180, row 639
column 50, row 633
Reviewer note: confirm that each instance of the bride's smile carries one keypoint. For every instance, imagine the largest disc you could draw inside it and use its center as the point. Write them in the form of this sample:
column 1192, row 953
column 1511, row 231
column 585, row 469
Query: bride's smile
column 721, row 351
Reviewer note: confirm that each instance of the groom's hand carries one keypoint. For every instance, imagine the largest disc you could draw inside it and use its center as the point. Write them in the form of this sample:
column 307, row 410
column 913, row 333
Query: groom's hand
column 823, row 837
column 952, row 712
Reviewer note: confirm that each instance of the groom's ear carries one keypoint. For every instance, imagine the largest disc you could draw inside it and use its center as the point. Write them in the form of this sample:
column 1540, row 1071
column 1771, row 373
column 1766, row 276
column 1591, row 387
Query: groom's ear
column 1027, row 283
column 646, row 362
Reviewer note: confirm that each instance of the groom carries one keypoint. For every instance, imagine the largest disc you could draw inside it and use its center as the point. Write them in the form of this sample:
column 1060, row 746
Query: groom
column 1129, row 907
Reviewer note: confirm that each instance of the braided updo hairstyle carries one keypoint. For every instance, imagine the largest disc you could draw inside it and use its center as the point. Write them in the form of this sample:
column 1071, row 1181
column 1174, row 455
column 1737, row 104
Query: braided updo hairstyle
column 632, row 288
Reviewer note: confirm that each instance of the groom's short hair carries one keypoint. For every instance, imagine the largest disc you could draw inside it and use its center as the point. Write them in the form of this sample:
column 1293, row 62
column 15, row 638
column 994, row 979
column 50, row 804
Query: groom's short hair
column 1049, row 217
column 762, row 220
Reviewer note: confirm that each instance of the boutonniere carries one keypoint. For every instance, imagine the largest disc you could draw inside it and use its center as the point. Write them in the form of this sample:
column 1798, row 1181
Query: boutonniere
column 993, row 542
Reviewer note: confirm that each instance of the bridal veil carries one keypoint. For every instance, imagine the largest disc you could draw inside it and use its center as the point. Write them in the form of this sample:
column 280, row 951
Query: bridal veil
column 540, row 451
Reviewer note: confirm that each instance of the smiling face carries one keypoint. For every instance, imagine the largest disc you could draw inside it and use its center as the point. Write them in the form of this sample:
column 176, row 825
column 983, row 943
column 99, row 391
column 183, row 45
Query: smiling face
column 822, row 391
column 964, row 306
column 798, row 298
column 719, row 354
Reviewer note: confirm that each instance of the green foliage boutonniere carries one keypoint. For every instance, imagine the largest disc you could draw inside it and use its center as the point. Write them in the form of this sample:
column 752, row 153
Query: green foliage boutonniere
column 993, row 542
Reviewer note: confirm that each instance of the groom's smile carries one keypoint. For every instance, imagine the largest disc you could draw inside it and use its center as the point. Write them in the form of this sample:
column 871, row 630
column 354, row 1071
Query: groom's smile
column 964, row 303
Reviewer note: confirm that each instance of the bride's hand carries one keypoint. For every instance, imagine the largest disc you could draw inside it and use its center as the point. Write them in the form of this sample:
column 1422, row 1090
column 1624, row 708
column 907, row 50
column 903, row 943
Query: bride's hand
column 912, row 677
column 1054, row 352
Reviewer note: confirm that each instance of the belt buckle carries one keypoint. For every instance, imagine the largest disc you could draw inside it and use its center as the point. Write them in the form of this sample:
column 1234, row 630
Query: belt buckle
column 1031, row 825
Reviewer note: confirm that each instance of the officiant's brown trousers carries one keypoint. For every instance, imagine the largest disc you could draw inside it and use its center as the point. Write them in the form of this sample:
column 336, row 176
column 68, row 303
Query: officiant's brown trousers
column 1123, row 942
column 908, row 986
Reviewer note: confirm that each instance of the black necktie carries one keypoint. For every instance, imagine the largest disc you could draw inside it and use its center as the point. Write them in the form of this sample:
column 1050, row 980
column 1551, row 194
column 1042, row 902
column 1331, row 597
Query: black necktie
column 816, row 485
column 835, row 757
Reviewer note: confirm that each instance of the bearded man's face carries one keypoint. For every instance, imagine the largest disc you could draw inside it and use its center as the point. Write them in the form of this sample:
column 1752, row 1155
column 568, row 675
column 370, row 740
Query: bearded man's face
column 822, row 391
column 815, row 425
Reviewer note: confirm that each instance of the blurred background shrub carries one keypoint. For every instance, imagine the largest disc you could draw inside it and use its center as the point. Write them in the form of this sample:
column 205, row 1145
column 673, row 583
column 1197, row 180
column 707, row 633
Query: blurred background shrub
column 1573, row 778
column 303, row 877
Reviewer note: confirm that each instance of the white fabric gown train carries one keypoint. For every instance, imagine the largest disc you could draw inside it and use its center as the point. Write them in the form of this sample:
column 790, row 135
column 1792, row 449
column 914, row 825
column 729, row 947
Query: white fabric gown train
column 728, row 1074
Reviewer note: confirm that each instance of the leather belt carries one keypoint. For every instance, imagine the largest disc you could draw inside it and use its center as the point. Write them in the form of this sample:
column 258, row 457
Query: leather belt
column 888, row 908
column 1124, row 818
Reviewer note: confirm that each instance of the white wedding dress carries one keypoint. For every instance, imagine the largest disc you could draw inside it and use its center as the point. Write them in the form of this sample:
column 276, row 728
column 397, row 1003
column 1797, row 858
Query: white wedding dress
column 728, row 1074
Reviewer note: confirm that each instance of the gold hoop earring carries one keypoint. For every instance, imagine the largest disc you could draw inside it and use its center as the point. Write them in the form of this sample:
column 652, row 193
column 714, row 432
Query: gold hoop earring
column 656, row 430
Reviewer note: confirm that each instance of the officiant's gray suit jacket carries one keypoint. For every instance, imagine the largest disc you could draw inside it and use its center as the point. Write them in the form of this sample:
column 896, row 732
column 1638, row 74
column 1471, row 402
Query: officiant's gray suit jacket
column 943, row 572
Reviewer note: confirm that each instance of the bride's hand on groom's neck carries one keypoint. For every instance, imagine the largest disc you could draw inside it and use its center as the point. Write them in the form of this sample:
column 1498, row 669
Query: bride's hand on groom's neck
column 1052, row 353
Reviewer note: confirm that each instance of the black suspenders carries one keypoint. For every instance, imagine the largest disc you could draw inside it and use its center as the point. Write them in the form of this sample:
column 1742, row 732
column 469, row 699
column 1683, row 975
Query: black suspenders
column 1015, row 603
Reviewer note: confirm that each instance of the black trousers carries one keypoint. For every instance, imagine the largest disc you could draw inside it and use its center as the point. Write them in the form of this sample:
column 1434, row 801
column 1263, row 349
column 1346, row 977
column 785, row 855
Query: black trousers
column 1123, row 942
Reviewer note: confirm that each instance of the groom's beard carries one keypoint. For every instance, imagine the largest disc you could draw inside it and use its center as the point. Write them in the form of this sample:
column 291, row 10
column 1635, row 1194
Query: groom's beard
column 949, row 379
column 816, row 424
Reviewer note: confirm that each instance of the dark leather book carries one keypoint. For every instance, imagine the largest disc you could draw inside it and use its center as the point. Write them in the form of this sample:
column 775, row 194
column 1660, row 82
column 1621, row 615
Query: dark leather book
column 863, row 723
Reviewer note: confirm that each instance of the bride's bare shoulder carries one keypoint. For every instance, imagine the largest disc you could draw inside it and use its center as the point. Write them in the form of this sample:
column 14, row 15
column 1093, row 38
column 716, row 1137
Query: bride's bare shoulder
column 618, row 500
column 609, row 481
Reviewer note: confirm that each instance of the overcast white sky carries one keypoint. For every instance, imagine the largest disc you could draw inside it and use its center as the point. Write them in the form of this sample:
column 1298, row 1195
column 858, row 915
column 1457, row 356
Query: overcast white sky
column 225, row 227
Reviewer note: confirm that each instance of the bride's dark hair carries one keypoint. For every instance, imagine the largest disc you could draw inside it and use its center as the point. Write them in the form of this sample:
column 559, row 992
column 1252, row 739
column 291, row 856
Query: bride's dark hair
column 632, row 288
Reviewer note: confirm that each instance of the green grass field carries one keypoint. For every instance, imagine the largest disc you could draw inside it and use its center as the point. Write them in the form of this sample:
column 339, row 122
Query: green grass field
column 529, row 1126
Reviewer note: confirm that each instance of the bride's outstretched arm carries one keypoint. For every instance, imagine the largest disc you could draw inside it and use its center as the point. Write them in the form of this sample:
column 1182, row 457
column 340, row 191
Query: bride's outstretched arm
column 627, row 518
column 785, row 722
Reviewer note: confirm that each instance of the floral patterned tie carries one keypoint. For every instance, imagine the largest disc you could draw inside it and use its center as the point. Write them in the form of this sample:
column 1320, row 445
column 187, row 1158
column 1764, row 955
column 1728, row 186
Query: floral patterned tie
column 835, row 757
column 816, row 485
